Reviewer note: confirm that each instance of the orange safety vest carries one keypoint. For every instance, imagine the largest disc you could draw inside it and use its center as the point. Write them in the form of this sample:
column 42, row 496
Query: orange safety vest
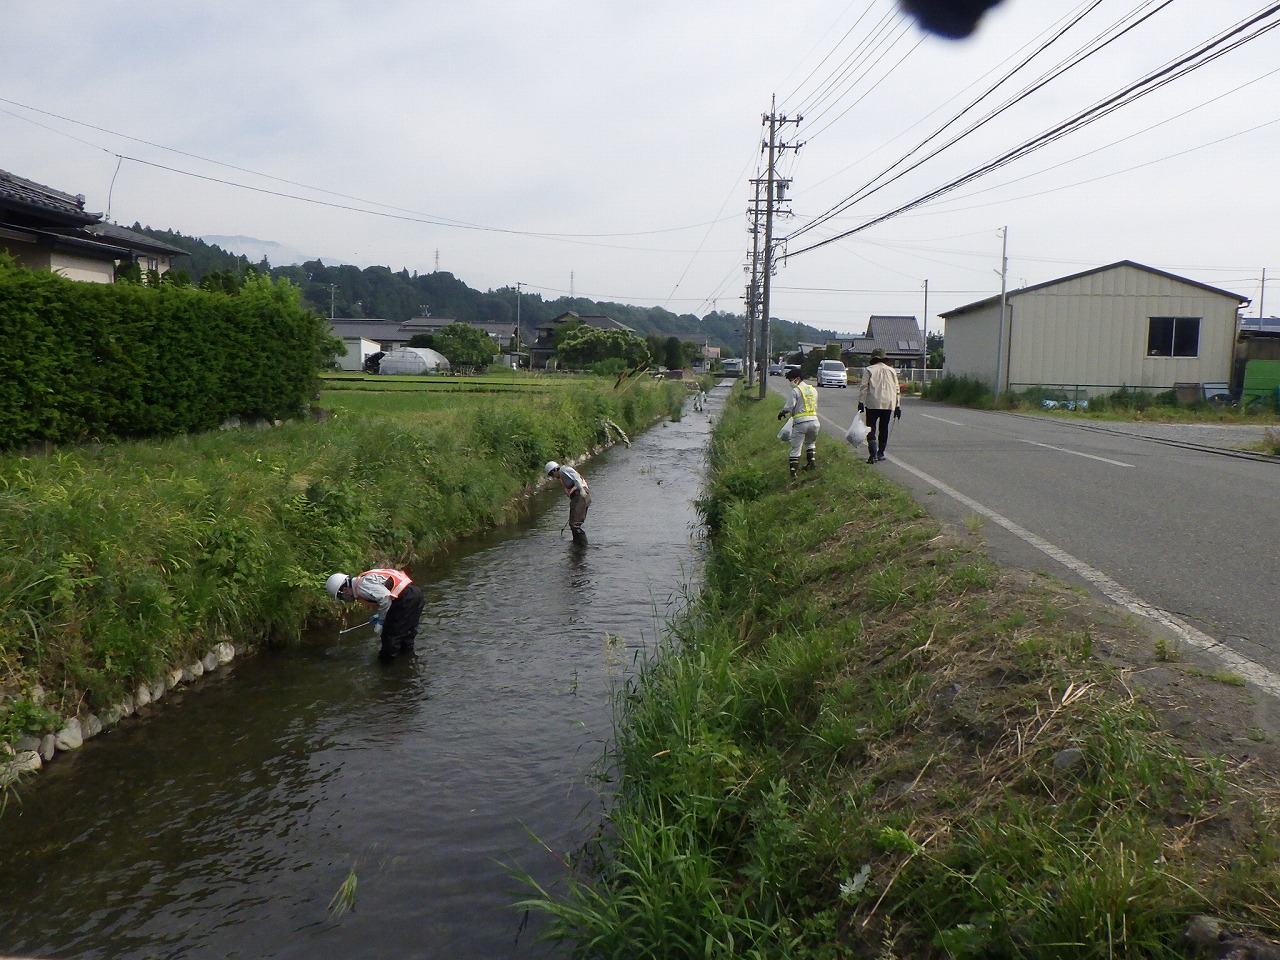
column 394, row 580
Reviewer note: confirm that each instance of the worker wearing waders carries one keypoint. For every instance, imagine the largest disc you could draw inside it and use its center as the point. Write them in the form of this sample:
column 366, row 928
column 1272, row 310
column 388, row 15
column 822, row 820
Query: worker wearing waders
column 397, row 599
column 802, row 408
column 579, row 494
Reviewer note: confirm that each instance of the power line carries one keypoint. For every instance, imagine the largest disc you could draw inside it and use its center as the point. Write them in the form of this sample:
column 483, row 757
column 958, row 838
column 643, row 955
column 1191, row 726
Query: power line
column 879, row 181
column 1199, row 57
column 398, row 213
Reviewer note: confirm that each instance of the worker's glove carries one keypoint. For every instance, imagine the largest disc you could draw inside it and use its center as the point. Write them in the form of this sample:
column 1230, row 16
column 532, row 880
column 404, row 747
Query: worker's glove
column 862, row 408
column 897, row 413
column 782, row 414
column 374, row 621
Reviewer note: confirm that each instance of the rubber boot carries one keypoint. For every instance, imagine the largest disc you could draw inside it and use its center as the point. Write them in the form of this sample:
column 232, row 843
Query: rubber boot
column 810, row 459
column 794, row 464
column 871, row 450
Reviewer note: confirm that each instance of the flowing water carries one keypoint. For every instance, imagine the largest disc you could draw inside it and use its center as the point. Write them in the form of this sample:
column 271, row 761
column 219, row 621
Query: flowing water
column 225, row 823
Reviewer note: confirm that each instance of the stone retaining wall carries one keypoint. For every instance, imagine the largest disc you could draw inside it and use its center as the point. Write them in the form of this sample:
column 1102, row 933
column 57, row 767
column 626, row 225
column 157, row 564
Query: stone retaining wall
column 31, row 753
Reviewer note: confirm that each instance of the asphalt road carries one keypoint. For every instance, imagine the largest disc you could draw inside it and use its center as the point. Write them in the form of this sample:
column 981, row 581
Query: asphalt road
column 1187, row 535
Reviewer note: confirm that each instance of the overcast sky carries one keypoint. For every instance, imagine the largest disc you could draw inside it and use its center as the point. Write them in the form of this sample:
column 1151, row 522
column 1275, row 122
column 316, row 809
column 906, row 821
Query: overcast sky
column 607, row 148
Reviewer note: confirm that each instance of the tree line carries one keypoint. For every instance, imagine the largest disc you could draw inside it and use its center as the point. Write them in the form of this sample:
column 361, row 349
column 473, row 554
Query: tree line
column 350, row 292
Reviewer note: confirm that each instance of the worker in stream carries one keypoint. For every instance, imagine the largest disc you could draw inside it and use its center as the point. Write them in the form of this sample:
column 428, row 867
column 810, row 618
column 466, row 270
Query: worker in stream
column 397, row 601
column 579, row 494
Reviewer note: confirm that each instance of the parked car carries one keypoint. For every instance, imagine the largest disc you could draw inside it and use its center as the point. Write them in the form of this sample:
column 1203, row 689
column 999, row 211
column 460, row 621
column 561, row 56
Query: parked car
column 832, row 373
column 775, row 369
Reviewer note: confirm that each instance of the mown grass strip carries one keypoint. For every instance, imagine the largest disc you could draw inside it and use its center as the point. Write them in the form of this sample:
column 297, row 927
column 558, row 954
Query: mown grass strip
column 865, row 741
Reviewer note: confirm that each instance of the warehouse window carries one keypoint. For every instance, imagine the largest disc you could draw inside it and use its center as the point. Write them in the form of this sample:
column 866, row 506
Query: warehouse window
column 1173, row 337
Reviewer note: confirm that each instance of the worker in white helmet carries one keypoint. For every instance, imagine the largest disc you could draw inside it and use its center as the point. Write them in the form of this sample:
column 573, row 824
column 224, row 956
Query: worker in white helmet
column 397, row 601
column 579, row 494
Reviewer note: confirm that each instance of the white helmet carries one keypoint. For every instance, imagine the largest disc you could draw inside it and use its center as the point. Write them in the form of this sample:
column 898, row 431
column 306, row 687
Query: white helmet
column 335, row 583
column 551, row 467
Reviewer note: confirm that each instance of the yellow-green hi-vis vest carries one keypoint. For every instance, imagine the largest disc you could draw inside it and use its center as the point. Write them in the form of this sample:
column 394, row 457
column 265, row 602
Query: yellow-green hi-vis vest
column 809, row 399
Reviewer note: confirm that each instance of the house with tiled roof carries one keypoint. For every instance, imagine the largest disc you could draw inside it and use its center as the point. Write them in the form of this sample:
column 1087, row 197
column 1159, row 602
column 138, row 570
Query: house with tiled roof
column 543, row 347
column 47, row 229
column 149, row 254
column 500, row 333
column 363, row 338
column 899, row 337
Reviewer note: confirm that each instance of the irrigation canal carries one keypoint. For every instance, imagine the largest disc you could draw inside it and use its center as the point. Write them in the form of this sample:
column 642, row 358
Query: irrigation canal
column 225, row 824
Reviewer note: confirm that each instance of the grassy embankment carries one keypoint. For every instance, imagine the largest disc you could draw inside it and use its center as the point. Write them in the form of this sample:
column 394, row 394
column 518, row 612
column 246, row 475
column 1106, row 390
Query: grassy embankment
column 867, row 742
column 1123, row 405
column 119, row 561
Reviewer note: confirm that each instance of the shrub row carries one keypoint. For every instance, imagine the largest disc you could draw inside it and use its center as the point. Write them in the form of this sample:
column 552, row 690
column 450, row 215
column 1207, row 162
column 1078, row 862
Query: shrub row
column 87, row 361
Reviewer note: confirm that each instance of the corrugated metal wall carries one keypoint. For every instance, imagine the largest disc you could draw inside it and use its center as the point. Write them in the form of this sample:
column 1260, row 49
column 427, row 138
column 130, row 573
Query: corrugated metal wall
column 970, row 345
column 1092, row 331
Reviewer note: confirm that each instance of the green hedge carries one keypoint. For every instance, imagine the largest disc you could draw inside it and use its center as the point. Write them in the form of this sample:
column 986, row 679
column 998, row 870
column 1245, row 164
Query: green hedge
column 89, row 361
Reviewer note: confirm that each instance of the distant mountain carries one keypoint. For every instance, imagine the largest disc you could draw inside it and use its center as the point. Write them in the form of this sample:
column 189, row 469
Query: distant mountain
column 254, row 250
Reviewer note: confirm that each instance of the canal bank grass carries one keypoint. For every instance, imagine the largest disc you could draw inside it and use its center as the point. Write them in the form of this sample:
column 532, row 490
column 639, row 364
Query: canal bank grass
column 121, row 561
column 865, row 741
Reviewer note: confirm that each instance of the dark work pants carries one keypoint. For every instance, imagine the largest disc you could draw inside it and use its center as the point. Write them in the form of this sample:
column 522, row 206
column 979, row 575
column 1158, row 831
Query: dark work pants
column 578, row 504
column 401, row 628
column 878, row 424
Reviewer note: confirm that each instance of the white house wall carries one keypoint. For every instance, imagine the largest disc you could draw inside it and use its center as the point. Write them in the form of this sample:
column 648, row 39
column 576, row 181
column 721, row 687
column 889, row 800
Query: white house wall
column 36, row 258
column 1092, row 331
column 81, row 268
column 358, row 350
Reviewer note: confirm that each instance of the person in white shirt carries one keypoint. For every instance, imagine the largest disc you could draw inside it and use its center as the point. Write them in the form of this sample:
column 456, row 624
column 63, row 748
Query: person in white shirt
column 880, row 397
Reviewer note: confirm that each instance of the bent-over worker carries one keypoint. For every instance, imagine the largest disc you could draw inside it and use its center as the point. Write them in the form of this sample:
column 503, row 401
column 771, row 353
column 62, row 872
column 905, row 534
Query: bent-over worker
column 579, row 494
column 397, row 600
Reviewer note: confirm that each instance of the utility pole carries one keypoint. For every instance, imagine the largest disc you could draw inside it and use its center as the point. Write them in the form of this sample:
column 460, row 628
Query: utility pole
column 332, row 289
column 519, row 335
column 924, row 347
column 753, row 287
column 775, row 191
column 1004, row 273
column 1262, row 295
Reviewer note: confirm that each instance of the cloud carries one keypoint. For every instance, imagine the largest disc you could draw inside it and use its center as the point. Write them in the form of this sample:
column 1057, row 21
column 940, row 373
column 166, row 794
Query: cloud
column 614, row 143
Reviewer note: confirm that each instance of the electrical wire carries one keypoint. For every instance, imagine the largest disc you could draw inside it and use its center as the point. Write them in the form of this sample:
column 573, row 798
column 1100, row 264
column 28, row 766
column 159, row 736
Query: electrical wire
column 1201, row 56
column 396, row 213
column 883, row 178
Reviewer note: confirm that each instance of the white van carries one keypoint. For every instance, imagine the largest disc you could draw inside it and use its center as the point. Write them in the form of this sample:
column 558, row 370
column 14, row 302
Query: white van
column 831, row 373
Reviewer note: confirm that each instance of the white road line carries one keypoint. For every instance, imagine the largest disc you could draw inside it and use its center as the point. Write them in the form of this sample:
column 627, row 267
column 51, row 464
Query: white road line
column 1253, row 672
column 1077, row 453
column 954, row 423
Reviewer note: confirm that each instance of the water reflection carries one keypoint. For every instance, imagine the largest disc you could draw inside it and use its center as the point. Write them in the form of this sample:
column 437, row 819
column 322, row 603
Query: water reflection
column 224, row 828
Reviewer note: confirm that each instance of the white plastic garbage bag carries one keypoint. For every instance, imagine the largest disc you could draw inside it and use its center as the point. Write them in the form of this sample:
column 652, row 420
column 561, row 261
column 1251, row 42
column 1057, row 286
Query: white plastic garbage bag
column 785, row 432
column 857, row 432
